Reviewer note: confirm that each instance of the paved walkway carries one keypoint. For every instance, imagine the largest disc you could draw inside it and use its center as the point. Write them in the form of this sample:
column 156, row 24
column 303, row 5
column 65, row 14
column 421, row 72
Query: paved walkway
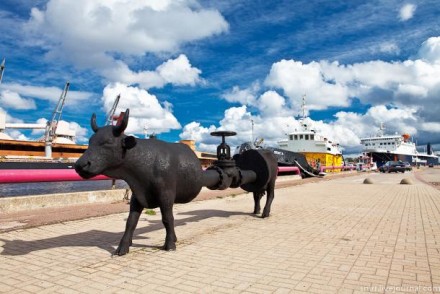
column 333, row 236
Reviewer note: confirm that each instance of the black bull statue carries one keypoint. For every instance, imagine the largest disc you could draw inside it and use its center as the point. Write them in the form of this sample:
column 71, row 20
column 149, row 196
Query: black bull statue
column 160, row 174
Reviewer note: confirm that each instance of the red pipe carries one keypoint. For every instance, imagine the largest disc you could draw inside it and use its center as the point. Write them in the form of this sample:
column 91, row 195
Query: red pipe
column 284, row 169
column 8, row 176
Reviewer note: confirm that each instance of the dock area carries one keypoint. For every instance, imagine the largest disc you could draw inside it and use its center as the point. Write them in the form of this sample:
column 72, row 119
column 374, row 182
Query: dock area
column 339, row 235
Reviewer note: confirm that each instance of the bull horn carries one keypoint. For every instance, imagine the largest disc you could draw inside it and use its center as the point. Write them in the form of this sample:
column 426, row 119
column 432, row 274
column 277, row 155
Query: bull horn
column 93, row 123
column 118, row 129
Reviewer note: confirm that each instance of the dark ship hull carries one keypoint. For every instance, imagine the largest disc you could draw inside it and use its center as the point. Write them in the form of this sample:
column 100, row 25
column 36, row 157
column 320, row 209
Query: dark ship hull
column 287, row 158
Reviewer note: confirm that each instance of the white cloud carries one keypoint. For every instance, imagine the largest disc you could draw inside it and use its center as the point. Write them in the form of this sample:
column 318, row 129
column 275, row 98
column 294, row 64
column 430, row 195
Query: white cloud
column 44, row 93
column 430, row 50
column 101, row 34
column 195, row 131
column 9, row 99
column 145, row 109
column 389, row 47
column 247, row 126
column 407, row 12
column 271, row 104
column 412, row 83
column 404, row 95
column 179, row 71
column 297, row 79
column 246, row 96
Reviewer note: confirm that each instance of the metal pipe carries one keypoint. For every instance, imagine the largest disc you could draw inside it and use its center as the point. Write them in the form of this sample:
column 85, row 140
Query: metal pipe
column 9, row 176
column 210, row 178
column 285, row 169
column 248, row 176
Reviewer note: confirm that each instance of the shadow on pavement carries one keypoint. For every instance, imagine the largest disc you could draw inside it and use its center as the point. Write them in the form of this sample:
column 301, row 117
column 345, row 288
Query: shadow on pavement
column 106, row 240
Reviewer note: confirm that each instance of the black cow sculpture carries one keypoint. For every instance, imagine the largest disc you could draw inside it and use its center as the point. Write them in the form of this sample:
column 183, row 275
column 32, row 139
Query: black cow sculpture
column 160, row 174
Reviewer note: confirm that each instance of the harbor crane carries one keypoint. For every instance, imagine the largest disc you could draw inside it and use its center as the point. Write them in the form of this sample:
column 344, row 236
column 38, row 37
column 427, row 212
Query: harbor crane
column 2, row 69
column 51, row 126
column 111, row 114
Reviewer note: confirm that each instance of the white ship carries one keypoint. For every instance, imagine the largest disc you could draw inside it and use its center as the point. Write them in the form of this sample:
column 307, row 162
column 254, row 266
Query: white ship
column 318, row 149
column 382, row 148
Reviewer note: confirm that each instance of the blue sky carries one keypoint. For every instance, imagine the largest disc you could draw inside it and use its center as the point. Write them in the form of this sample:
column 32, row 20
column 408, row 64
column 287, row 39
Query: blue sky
column 186, row 68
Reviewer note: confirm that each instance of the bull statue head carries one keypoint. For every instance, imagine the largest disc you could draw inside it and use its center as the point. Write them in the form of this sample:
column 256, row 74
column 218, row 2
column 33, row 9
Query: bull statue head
column 107, row 149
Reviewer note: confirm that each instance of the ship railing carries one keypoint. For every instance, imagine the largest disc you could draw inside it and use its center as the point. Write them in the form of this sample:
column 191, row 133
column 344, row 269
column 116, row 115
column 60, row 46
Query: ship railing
column 340, row 167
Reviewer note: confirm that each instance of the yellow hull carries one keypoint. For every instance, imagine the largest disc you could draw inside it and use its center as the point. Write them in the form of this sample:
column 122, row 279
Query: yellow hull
column 324, row 159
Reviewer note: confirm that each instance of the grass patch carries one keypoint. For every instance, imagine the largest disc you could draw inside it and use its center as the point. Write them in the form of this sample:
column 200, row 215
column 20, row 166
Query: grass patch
column 149, row 211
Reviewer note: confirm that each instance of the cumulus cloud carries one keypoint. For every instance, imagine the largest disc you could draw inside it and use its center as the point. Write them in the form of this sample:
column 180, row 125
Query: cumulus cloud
column 407, row 12
column 247, row 126
column 146, row 112
column 13, row 100
column 430, row 50
column 177, row 71
column 42, row 93
column 297, row 79
column 101, row 34
column 330, row 84
column 403, row 95
column 243, row 96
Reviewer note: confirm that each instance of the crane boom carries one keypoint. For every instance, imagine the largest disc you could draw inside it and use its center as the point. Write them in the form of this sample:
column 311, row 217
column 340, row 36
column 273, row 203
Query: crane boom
column 53, row 123
column 2, row 69
column 112, row 111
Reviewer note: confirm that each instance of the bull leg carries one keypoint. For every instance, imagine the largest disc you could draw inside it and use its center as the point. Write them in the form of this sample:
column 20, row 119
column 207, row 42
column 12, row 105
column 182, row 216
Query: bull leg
column 257, row 198
column 270, row 191
column 168, row 222
column 133, row 218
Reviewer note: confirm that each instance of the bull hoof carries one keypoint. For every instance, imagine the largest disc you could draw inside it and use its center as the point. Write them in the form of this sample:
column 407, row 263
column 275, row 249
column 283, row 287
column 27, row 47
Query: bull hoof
column 169, row 247
column 256, row 212
column 265, row 214
column 123, row 248
column 121, row 251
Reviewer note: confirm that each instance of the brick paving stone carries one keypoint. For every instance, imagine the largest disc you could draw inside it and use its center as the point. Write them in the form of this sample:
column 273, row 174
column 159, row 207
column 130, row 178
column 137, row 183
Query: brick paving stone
column 336, row 236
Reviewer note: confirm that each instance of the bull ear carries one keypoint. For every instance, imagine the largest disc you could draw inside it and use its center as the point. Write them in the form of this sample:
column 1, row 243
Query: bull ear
column 93, row 123
column 128, row 142
column 120, row 128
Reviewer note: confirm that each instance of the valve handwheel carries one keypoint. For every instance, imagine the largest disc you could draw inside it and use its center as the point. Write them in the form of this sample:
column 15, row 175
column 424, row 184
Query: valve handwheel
column 223, row 133
column 223, row 150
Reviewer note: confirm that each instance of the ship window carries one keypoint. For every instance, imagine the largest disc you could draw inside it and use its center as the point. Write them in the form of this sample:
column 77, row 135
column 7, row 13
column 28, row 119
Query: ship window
column 296, row 137
column 328, row 149
column 291, row 137
column 300, row 137
column 306, row 137
column 312, row 137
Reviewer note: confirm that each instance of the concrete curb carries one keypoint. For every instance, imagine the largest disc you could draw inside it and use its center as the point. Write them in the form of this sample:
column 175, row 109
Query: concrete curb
column 21, row 203
column 13, row 204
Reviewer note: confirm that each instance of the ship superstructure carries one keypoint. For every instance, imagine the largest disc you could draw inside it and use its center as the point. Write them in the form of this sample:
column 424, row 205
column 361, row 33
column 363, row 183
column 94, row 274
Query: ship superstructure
column 318, row 148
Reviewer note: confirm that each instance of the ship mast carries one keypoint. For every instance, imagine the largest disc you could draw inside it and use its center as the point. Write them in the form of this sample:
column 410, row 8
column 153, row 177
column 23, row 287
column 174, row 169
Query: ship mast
column 2, row 69
column 303, row 107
